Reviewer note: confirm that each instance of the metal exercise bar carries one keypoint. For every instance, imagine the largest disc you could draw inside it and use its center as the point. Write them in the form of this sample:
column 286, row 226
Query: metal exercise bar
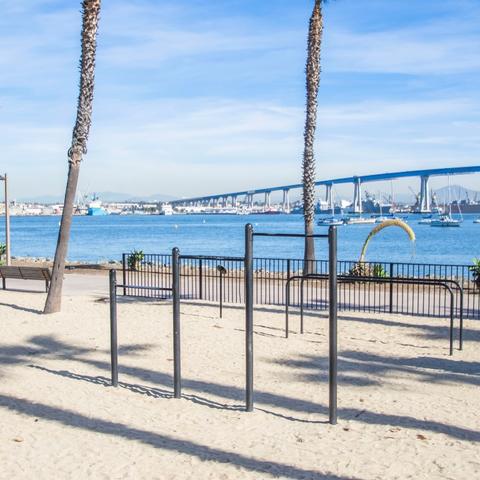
column 288, row 235
column 332, row 327
column 144, row 288
column 332, row 247
column 113, row 328
column 404, row 281
column 248, row 271
column 177, row 372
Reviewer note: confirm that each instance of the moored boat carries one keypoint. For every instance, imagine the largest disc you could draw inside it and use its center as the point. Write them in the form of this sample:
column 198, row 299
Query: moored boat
column 166, row 209
column 445, row 221
column 95, row 208
column 330, row 222
column 359, row 221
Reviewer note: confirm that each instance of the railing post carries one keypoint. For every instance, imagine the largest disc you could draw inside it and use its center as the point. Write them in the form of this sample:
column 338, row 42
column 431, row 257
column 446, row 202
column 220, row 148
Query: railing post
column 248, row 271
column 287, row 305
column 200, row 279
column 288, row 269
column 113, row 328
column 124, row 271
column 452, row 318
column 333, row 308
column 391, row 289
column 221, row 295
column 302, row 298
column 177, row 374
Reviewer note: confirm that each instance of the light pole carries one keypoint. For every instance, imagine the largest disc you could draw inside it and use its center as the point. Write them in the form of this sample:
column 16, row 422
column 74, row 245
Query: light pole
column 4, row 178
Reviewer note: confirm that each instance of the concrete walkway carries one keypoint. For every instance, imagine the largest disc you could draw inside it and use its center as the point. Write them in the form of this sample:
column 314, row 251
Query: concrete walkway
column 74, row 285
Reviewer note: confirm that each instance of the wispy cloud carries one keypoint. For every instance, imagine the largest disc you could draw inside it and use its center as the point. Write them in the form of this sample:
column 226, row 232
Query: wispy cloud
column 195, row 96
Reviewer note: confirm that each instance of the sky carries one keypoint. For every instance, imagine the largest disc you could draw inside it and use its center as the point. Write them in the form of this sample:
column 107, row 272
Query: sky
column 198, row 96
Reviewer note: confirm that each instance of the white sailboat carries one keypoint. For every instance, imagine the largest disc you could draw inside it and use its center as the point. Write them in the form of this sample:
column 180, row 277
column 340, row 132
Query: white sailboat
column 426, row 220
column 447, row 220
column 330, row 221
column 359, row 221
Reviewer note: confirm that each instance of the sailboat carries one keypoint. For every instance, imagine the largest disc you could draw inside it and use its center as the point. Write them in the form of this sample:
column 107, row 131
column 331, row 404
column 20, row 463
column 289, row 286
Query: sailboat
column 426, row 220
column 381, row 218
column 446, row 220
column 477, row 220
column 330, row 221
column 359, row 220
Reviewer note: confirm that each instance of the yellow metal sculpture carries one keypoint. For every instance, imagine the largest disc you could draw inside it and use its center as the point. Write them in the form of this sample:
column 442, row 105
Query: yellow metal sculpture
column 387, row 223
column 361, row 268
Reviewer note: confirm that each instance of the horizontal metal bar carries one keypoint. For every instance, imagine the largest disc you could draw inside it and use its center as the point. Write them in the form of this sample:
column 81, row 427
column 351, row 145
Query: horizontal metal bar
column 137, row 287
column 211, row 257
column 288, row 235
column 352, row 278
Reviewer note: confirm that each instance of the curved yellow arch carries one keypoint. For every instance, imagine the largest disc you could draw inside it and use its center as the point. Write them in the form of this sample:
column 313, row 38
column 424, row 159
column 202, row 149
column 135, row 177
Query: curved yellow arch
column 387, row 223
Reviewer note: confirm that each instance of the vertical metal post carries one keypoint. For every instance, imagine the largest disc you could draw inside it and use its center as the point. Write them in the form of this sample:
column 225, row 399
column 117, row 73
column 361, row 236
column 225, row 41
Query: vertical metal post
column 113, row 328
column 302, row 282
column 287, row 305
column 200, row 279
column 391, row 289
column 452, row 317
column 460, row 337
column 333, row 308
column 124, row 271
column 248, row 270
column 7, row 221
column 177, row 373
column 221, row 294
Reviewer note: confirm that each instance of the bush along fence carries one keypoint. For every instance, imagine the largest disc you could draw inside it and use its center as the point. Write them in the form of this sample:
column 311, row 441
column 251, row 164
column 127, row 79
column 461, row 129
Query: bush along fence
column 211, row 278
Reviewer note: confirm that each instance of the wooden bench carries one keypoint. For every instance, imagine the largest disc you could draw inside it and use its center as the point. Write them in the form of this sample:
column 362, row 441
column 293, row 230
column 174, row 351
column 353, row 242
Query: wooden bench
column 26, row 273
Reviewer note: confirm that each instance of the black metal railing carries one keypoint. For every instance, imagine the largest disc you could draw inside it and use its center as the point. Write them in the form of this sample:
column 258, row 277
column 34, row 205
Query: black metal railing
column 202, row 279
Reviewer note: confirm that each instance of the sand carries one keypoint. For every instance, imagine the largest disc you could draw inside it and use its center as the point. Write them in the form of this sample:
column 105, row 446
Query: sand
column 406, row 409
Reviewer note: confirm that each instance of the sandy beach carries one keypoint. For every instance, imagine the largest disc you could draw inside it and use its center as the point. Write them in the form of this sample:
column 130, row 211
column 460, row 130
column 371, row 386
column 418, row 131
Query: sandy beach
column 406, row 408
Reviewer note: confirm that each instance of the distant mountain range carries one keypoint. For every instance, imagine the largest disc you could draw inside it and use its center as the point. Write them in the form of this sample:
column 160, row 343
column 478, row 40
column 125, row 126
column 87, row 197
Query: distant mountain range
column 104, row 196
column 457, row 192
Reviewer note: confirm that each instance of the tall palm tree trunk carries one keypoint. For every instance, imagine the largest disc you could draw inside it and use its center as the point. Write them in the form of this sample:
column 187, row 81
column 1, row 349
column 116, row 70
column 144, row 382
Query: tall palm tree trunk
column 308, row 166
column 90, row 15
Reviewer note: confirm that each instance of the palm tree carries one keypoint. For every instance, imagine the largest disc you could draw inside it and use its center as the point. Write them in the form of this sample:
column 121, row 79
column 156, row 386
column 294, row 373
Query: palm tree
column 308, row 165
column 90, row 14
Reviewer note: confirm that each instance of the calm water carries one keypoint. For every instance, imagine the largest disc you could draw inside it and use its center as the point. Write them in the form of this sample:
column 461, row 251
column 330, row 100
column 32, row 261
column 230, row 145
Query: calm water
column 106, row 238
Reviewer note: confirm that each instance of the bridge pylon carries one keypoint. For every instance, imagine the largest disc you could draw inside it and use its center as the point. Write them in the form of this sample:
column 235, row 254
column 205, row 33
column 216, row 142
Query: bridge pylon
column 424, row 204
column 357, row 195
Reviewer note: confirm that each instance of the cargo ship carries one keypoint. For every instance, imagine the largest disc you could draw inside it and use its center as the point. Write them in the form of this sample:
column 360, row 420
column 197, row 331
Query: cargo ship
column 95, row 208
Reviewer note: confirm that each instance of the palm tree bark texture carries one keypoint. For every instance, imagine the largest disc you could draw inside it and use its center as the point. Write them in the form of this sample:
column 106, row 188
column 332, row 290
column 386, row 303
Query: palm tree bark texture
column 308, row 166
column 90, row 18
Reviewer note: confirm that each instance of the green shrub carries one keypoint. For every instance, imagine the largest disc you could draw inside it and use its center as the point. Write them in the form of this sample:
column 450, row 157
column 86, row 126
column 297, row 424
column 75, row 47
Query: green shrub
column 475, row 269
column 135, row 259
column 366, row 270
column 379, row 271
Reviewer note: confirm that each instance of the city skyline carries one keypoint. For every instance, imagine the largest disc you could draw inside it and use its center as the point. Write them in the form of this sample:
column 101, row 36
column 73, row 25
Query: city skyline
column 198, row 99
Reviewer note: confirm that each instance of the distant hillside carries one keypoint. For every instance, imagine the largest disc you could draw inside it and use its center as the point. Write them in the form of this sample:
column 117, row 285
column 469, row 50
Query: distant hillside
column 104, row 196
column 457, row 192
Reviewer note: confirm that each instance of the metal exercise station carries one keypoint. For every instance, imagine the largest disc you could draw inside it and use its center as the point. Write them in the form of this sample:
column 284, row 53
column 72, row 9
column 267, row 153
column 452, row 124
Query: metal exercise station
column 448, row 285
column 175, row 290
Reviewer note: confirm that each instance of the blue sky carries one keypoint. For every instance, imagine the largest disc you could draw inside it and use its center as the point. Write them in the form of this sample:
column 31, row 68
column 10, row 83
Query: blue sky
column 196, row 96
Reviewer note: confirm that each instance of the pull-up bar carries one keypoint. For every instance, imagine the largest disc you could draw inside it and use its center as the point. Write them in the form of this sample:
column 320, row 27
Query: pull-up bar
column 333, row 308
column 249, row 300
column 288, row 235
